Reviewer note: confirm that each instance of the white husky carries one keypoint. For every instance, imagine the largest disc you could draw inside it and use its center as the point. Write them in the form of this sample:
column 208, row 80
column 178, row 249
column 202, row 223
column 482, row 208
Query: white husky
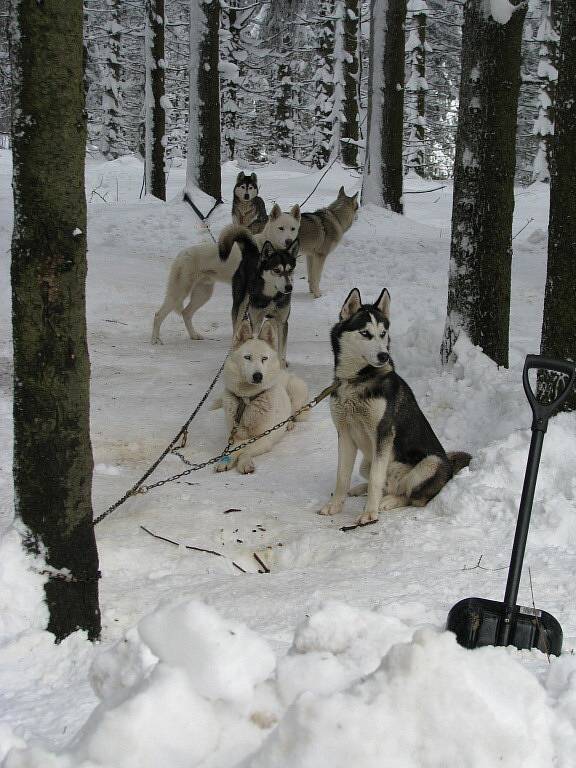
column 196, row 269
column 258, row 395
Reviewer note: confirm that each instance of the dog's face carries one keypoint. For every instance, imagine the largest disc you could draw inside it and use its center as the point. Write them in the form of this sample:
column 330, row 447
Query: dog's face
column 255, row 357
column 277, row 268
column 348, row 206
column 246, row 187
column 363, row 331
column 282, row 228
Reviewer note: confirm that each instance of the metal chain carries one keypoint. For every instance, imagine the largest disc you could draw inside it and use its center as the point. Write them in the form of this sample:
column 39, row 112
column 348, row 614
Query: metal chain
column 229, row 450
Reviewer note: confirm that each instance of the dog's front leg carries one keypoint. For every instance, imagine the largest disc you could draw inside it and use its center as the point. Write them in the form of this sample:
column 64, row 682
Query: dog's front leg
column 376, row 482
column 346, row 457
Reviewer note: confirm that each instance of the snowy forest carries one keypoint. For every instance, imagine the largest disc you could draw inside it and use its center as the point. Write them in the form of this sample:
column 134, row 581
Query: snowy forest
column 244, row 243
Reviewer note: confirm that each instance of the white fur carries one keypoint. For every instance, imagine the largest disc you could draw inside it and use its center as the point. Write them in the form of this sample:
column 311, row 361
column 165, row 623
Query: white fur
column 272, row 400
column 196, row 269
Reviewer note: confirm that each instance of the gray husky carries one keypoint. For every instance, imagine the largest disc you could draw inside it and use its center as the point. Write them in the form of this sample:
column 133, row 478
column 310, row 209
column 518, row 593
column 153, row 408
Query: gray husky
column 262, row 285
column 248, row 209
column 320, row 233
column 375, row 411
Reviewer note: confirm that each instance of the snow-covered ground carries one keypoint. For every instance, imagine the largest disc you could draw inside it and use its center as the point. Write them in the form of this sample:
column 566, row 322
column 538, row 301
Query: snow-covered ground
column 336, row 657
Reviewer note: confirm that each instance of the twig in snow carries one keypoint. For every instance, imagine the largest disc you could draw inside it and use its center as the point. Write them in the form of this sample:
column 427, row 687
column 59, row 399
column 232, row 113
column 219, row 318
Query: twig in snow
column 523, row 228
column 346, row 528
column 118, row 322
column 196, row 549
column 481, row 567
column 260, row 563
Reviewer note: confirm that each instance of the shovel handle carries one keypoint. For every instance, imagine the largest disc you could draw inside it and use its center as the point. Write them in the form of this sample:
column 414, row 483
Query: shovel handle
column 540, row 411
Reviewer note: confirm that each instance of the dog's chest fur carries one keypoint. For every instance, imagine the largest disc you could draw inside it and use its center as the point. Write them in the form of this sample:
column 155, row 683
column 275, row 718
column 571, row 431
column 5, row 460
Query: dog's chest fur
column 352, row 412
column 246, row 211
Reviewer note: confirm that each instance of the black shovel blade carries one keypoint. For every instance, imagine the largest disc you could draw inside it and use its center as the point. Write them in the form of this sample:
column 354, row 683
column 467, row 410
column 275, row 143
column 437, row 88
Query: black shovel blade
column 476, row 622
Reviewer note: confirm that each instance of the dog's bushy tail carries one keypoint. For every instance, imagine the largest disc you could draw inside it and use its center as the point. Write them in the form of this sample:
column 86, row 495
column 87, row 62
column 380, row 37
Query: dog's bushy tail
column 233, row 234
column 459, row 460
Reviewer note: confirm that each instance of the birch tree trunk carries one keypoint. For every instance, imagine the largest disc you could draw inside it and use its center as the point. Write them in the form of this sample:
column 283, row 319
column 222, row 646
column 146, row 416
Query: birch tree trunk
column 324, row 84
column 351, row 70
column 52, row 449
column 559, row 323
column 203, row 163
column 155, row 127
column 110, row 137
column 383, row 171
column 483, row 204
column 417, row 86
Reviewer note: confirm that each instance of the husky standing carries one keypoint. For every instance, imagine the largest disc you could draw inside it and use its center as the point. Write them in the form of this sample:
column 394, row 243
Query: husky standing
column 258, row 395
column 248, row 209
column 262, row 285
column 196, row 269
column 375, row 411
column 320, row 233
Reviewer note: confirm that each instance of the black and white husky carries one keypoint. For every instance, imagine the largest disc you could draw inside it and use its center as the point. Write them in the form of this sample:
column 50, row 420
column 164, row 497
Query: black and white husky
column 375, row 411
column 248, row 209
column 262, row 285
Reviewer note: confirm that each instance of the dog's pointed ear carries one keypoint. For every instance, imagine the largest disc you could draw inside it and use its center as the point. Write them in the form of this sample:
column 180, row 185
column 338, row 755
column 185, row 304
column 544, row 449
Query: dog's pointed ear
column 275, row 212
column 240, row 178
column 294, row 248
column 341, row 192
column 295, row 212
column 253, row 179
column 351, row 305
column 383, row 303
column 267, row 250
column 244, row 333
column 268, row 334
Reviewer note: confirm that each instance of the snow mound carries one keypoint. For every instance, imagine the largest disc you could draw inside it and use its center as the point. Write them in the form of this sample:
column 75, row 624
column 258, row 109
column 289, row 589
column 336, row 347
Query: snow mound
column 22, row 603
column 430, row 703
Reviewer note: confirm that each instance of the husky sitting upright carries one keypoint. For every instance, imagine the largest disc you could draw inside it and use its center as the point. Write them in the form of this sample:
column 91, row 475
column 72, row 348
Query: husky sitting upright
column 196, row 269
column 262, row 284
column 258, row 395
column 374, row 410
column 248, row 209
column 321, row 231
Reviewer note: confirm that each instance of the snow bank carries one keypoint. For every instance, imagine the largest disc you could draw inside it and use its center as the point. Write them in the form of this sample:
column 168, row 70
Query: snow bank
column 500, row 10
column 188, row 688
column 22, row 604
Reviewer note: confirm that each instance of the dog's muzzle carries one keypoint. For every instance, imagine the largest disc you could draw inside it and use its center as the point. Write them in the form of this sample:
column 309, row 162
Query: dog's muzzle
column 288, row 242
column 383, row 358
column 257, row 377
column 246, row 197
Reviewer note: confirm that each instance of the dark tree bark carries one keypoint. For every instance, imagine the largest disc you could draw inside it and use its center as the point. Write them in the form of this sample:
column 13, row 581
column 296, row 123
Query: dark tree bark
column 559, row 323
column 155, row 95
column 351, row 68
column 52, row 449
column 111, row 135
column 203, row 162
column 483, row 204
column 324, row 84
column 383, row 172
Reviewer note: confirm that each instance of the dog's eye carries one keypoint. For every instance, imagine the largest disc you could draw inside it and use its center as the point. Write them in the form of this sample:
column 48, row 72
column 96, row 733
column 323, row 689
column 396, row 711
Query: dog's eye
column 293, row 229
column 366, row 334
column 383, row 335
column 264, row 359
column 247, row 357
column 281, row 229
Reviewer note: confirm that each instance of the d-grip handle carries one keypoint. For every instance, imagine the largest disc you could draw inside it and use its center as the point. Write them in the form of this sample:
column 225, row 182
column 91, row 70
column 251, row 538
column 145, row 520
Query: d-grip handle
column 541, row 411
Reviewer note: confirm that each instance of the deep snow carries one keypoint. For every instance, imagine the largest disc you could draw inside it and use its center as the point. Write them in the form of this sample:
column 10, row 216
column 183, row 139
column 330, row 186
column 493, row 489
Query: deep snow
column 369, row 696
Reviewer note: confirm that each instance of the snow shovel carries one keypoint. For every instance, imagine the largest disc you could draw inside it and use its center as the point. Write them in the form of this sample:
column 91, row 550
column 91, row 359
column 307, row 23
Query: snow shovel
column 476, row 621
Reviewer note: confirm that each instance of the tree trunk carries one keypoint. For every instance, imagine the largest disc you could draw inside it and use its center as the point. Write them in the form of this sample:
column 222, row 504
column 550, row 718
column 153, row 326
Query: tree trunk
column 351, row 70
column 283, row 96
column 483, row 204
column 155, row 128
column 417, row 86
column 203, row 165
column 383, row 169
column 110, row 137
column 52, row 450
column 324, row 84
column 559, row 323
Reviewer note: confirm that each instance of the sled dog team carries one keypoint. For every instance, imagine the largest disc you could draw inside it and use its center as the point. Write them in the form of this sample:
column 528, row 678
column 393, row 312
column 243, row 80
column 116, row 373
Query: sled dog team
column 373, row 409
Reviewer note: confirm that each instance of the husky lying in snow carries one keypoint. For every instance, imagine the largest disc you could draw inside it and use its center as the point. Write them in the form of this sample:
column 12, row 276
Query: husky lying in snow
column 196, row 269
column 248, row 209
column 262, row 284
column 320, row 233
column 253, row 379
column 374, row 410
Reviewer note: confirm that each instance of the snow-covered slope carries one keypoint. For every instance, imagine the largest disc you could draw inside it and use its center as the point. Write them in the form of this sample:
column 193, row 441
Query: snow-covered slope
column 395, row 577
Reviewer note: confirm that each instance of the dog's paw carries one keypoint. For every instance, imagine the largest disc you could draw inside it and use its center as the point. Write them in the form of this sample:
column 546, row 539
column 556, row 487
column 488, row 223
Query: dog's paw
column 197, row 336
column 367, row 517
column 316, row 294
column 332, row 508
column 222, row 466
column 392, row 502
column 156, row 340
column 359, row 490
column 246, row 466
column 290, row 426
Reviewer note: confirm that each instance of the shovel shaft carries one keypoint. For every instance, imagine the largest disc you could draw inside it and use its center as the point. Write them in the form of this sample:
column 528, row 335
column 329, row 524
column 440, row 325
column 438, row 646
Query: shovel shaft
column 519, row 546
